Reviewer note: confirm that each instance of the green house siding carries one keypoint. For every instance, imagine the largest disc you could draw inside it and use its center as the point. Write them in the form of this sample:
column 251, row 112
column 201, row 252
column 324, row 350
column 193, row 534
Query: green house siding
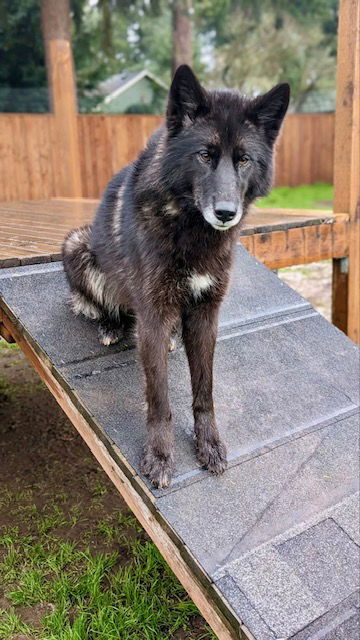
column 144, row 92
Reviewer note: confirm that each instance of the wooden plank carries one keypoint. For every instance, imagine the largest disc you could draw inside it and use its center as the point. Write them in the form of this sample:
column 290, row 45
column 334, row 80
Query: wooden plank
column 148, row 518
column 279, row 237
column 287, row 247
column 305, row 149
column 347, row 155
column 44, row 155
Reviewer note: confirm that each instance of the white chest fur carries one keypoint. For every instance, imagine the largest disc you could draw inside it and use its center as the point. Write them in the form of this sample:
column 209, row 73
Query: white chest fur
column 199, row 283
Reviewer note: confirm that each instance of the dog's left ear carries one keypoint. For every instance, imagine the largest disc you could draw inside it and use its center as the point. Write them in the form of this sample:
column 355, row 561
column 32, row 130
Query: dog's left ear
column 187, row 99
column 269, row 110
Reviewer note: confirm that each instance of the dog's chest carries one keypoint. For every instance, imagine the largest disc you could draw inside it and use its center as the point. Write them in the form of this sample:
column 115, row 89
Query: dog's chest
column 200, row 283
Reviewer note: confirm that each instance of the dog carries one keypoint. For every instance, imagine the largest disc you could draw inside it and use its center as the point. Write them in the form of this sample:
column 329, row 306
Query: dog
column 160, row 248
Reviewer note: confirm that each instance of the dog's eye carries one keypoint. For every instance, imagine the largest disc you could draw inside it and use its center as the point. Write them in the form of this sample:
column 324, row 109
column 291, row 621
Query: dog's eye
column 204, row 156
column 244, row 159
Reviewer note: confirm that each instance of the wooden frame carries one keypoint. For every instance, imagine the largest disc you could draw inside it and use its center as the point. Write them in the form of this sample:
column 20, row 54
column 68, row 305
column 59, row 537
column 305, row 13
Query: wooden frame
column 346, row 278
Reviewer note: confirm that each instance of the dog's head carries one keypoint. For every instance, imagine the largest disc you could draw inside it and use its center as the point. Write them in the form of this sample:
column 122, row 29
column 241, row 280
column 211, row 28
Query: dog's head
column 220, row 146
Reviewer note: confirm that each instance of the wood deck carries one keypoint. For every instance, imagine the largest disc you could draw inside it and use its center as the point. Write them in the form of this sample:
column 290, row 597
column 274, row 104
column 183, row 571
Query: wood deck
column 268, row 550
column 32, row 232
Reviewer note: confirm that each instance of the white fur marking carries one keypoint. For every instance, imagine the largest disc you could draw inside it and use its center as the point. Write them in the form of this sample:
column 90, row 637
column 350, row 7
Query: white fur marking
column 200, row 283
column 75, row 239
column 79, row 304
column 95, row 281
column 171, row 208
column 116, row 222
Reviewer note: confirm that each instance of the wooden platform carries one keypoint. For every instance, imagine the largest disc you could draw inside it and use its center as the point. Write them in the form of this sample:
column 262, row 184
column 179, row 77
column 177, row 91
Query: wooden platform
column 268, row 551
column 32, row 232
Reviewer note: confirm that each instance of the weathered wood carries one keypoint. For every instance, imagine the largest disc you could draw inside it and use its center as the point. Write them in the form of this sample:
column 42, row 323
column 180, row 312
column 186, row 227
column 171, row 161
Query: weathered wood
column 347, row 158
column 4, row 331
column 277, row 237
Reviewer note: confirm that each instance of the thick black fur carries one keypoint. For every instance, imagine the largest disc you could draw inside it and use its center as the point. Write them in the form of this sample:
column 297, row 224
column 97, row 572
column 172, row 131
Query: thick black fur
column 161, row 244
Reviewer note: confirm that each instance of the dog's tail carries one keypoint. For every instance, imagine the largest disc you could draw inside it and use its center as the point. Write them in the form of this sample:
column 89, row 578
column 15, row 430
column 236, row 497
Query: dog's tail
column 85, row 278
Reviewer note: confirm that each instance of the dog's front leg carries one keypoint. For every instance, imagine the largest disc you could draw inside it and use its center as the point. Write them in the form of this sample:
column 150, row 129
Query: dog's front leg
column 153, row 344
column 199, row 335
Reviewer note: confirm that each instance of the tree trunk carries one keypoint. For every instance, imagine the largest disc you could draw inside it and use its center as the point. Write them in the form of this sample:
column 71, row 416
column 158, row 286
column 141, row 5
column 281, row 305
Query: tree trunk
column 182, row 33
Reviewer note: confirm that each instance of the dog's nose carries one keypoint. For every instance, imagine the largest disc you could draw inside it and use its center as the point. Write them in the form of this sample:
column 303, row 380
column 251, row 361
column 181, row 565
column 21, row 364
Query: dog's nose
column 225, row 211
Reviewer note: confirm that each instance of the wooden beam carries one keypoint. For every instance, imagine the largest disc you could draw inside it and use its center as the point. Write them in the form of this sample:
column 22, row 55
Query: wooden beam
column 347, row 158
column 62, row 86
column 4, row 331
column 299, row 245
column 115, row 465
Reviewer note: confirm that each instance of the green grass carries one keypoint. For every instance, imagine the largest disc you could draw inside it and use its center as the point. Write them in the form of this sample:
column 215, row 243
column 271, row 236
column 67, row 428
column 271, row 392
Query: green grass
column 6, row 346
column 124, row 593
column 303, row 197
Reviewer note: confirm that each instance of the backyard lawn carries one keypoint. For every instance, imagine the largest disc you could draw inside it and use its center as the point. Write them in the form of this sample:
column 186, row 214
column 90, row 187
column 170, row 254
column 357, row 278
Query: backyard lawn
column 74, row 563
column 306, row 196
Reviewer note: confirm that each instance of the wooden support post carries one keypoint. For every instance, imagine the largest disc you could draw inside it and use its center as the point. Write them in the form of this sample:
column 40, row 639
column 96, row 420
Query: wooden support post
column 56, row 29
column 347, row 164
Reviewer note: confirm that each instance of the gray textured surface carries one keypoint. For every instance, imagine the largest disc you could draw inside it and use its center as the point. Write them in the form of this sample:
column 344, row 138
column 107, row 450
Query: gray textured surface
column 278, row 532
column 323, row 554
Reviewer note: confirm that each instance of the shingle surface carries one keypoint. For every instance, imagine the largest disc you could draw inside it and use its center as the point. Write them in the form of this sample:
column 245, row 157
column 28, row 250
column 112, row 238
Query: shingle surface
column 278, row 532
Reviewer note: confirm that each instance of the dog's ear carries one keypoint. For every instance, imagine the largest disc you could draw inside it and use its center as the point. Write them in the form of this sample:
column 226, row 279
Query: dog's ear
column 269, row 110
column 187, row 99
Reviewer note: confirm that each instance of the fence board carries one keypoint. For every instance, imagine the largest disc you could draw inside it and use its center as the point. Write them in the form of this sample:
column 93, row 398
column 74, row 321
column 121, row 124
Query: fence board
column 31, row 165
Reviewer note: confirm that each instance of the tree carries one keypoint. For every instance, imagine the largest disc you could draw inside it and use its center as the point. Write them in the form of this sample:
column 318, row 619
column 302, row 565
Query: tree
column 22, row 59
column 249, row 44
column 182, row 33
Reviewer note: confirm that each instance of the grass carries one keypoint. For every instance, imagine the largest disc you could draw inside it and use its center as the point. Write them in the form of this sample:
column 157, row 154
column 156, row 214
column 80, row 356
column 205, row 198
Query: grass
column 124, row 592
column 74, row 563
column 306, row 196
column 6, row 346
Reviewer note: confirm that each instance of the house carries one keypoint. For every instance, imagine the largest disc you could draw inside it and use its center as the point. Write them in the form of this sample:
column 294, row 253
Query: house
column 132, row 92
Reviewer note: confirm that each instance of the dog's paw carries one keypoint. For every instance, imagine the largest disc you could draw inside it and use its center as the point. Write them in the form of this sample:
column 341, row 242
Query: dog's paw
column 158, row 468
column 212, row 455
column 109, row 336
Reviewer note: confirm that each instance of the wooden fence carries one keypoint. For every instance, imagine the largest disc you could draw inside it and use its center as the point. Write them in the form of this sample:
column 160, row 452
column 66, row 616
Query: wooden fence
column 32, row 164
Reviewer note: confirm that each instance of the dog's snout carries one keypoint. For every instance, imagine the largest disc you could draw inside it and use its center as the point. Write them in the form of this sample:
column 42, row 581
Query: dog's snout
column 225, row 211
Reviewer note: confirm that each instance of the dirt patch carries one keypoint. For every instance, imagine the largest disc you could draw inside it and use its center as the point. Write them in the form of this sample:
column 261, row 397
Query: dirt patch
column 313, row 282
column 33, row 615
column 52, row 487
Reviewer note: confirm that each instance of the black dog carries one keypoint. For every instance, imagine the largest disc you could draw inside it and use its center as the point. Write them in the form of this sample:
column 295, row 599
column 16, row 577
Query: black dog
column 161, row 244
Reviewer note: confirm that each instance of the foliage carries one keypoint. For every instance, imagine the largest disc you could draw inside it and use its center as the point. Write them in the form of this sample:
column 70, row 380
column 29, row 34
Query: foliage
column 249, row 44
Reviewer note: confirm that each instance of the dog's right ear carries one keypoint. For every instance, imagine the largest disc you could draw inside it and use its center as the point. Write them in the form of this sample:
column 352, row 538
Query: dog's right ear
column 187, row 99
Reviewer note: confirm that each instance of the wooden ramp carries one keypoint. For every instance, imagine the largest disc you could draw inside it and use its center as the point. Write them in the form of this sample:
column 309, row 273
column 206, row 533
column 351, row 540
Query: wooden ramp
column 269, row 550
